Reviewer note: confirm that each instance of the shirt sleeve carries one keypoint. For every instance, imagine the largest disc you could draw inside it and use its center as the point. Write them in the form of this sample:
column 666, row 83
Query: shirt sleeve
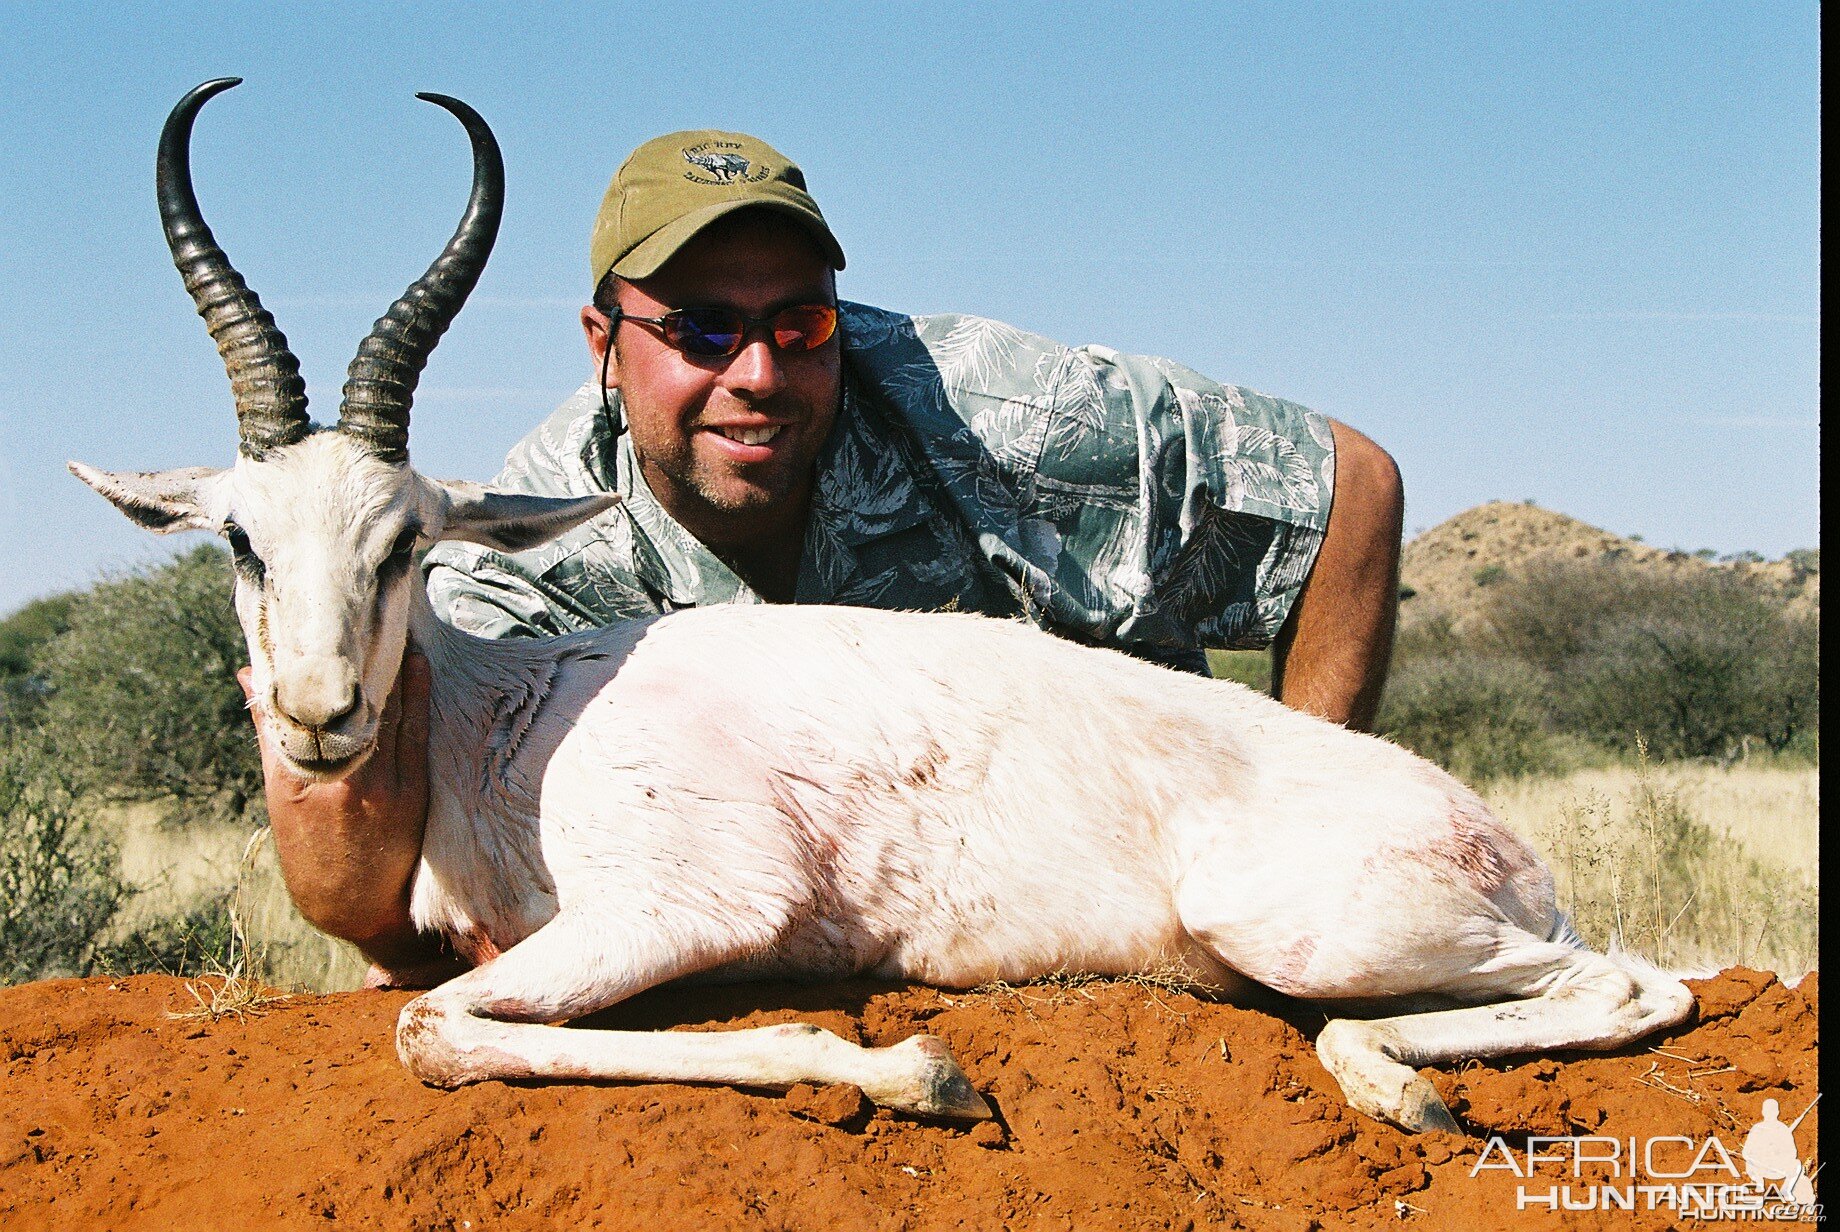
column 1180, row 512
column 1130, row 500
column 555, row 587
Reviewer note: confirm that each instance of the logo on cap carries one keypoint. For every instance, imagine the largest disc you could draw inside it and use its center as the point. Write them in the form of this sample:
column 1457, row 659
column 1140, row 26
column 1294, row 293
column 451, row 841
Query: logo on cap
column 713, row 164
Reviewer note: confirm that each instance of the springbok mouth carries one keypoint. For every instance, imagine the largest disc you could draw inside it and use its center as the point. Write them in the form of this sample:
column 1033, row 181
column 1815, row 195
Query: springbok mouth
column 326, row 769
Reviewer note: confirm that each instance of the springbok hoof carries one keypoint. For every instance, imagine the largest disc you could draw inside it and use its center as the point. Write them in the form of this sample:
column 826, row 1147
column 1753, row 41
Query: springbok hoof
column 935, row 1085
column 1375, row 1084
column 1422, row 1108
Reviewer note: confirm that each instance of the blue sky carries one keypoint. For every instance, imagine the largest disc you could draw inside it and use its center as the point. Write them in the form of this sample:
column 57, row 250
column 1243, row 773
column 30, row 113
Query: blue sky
column 1559, row 252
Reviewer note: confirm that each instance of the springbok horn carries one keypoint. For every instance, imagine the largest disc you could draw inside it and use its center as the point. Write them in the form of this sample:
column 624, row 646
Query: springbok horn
column 381, row 381
column 271, row 399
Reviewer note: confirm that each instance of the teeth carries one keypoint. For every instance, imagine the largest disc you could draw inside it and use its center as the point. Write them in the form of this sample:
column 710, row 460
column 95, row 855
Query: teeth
column 750, row 436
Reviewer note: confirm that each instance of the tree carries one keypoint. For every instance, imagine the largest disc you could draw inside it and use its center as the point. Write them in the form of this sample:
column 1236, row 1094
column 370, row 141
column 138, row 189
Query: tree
column 22, row 636
column 1695, row 662
column 141, row 693
column 1478, row 717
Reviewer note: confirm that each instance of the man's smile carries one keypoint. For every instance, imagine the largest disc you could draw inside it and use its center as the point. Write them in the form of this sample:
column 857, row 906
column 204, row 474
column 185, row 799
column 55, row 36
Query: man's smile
column 744, row 443
column 750, row 436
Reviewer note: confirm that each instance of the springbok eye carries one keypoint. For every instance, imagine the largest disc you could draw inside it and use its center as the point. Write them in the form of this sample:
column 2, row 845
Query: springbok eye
column 404, row 547
column 245, row 556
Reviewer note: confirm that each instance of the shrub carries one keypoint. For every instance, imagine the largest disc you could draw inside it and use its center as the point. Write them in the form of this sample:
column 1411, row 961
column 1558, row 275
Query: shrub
column 1478, row 717
column 1697, row 664
column 142, row 697
column 22, row 635
column 59, row 879
column 190, row 942
column 1251, row 668
column 1788, row 689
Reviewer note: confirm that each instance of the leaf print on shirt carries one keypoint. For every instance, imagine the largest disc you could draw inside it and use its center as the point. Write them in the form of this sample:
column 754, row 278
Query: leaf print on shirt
column 1013, row 433
column 828, row 561
column 866, row 328
column 1111, row 577
column 974, row 351
column 1077, row 410
column 864, row 485
column 1216, row 566
column 917, row 387
column 1271, row 470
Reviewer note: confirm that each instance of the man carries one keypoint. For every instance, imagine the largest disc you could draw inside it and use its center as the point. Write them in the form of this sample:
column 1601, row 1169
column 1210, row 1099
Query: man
column 773, row 444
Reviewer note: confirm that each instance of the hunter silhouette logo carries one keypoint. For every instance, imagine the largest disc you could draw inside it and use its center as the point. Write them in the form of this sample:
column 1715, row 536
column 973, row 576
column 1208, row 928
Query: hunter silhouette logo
column 1771, row 1160
column 720, row 162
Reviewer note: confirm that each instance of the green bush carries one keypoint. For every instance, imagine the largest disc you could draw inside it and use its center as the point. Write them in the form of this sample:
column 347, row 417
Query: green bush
column 22, row 636
column 60, row 884
column 1478, row 717
column 141, row 694
column 1488, row 575
column 1697, row 664
column 194, row 942
column 1251, row 668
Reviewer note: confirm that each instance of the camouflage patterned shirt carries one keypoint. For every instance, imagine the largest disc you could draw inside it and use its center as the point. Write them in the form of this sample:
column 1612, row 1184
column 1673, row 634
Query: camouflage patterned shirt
column 1116, row 499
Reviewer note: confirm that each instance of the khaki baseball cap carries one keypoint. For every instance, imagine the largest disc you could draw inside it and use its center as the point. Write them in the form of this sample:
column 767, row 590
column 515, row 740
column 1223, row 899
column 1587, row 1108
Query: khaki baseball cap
column 673, row 186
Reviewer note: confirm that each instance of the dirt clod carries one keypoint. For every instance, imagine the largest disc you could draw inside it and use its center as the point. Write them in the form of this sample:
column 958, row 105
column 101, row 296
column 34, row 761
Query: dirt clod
column 841, row 1105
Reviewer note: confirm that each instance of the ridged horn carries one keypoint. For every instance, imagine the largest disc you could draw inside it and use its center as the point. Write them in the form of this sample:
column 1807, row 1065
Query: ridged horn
column 271, row 399
column 380, row 383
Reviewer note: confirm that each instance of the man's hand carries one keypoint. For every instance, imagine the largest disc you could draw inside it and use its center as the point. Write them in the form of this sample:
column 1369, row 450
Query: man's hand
column 349, row 849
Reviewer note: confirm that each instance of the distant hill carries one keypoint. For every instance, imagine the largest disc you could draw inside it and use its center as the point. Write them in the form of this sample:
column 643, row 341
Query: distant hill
column 1445, row 570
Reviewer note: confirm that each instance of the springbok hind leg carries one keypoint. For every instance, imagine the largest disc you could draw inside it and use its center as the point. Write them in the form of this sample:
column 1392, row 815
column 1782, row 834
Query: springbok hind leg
column 1578, row 999
column 491, row 1023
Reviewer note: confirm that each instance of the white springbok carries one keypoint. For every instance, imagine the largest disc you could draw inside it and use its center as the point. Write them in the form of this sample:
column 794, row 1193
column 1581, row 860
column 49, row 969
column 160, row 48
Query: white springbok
column 745, row 791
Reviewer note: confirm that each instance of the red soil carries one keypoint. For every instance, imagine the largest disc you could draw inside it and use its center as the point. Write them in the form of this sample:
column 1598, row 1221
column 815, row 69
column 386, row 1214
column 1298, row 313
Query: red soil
column 1122, row 1106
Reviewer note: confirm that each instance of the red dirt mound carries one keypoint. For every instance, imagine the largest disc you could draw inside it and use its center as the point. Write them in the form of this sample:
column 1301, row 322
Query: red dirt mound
column 1122, row 1106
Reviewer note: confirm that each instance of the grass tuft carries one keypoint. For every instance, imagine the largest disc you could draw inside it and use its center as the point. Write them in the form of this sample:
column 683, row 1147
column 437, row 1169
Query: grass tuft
column 235, row 994
column 1167, row 978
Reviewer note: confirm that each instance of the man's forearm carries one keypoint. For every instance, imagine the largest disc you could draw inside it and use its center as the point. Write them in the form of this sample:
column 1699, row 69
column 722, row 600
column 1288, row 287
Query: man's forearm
column 349, row 849
column 350, row 877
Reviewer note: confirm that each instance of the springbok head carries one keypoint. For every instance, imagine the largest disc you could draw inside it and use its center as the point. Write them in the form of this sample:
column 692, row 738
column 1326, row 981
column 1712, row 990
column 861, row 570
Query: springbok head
column 324, row 522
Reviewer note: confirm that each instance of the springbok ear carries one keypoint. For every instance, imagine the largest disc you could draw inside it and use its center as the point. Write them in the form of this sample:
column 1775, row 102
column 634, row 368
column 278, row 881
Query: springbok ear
column 162, row 501
column 511, row 521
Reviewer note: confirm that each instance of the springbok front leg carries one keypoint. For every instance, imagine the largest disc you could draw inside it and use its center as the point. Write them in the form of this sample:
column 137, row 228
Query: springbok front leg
column 1570, row 999
column 492, row 1023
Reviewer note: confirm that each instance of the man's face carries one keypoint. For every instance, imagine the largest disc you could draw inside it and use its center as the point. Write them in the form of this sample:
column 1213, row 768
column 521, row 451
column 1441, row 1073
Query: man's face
column 697, row 422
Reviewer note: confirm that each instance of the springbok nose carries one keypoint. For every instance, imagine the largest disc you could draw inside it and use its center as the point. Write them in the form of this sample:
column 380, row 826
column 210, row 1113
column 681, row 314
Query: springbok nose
column 318, row 693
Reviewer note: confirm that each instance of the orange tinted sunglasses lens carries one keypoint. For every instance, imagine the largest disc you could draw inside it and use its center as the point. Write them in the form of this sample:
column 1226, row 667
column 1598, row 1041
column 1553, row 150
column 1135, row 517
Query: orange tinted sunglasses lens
column 803, row 328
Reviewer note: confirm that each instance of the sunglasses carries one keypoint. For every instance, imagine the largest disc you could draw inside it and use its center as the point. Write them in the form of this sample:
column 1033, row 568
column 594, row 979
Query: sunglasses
column 713, row 332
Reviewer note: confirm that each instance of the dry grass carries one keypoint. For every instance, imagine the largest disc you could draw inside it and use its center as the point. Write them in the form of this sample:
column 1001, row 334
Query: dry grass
column 235, row 993
column 179, row 869
column 1059, row 987
column 1692, row 867
column 1774, row 812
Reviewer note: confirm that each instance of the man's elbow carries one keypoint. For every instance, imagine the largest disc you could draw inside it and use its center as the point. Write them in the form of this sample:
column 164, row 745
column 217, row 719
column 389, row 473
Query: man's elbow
column 1370, row 493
